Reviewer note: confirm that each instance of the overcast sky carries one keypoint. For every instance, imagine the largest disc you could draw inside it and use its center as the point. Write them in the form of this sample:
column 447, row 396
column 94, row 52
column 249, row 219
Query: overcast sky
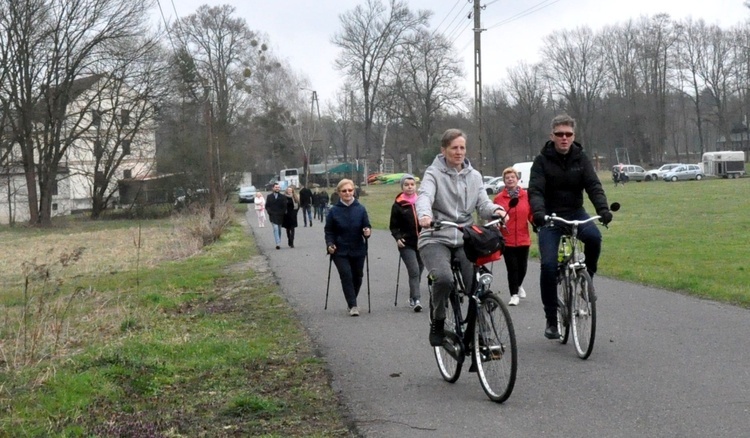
column 301, row 30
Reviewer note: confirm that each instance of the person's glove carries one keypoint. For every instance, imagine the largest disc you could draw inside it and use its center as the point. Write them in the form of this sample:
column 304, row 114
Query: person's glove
column 606, row 216
column 539, row 220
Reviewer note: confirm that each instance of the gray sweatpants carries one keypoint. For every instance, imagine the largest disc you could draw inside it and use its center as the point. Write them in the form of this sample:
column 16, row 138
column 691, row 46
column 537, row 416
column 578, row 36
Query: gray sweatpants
column 437, row 260
column 414, row 268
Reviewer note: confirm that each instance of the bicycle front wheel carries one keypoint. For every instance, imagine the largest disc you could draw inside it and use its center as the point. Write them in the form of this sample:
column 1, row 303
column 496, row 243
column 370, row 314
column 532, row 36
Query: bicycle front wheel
column 583, row 314
column 450, row 356
column 495, row 353
column 563, row 309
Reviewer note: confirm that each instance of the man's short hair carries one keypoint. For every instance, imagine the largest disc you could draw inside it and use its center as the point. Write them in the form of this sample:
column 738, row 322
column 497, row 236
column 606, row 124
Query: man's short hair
column 563, row 119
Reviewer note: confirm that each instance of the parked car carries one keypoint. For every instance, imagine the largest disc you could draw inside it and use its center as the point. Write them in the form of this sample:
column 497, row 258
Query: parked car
column 247, row 194
column 684, row 172
column 486, row 179
column 271, row 182
column 633, row 172
column 494, row 186
column 657, row 174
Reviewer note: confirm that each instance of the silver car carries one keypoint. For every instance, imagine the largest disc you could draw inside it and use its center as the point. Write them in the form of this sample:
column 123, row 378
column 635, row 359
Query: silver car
column 247, row 194
column 656, row 174
column 684, row 172
column 634, row 173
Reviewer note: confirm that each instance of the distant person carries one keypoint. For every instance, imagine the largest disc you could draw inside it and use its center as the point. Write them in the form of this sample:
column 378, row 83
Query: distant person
column 323, row 204
column 290, row 216
column 516, row 233
column 335, row 198
column 405, row 229
column 559, row 175
column 306, row 203
column 276, row 207
column 260, row 209
column 346, row 230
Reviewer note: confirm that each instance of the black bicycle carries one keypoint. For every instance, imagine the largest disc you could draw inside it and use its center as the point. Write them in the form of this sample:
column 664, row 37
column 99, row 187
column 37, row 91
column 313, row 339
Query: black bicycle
column 576, row 305
column 477, row 324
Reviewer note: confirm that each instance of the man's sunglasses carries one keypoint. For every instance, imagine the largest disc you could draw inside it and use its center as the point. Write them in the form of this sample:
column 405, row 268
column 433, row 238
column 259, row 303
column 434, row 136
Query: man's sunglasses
column 564, row 134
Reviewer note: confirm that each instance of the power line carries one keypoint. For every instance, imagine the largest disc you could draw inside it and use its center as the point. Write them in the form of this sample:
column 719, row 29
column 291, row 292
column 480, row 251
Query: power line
column 537, row 7
column 446, row 16
column 455, row 33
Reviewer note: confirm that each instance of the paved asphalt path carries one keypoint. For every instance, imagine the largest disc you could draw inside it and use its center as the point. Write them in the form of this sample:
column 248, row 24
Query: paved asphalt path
column 663, row 365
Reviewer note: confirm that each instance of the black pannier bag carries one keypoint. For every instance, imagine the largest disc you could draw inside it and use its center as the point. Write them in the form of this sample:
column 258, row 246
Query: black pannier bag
column 481, row 241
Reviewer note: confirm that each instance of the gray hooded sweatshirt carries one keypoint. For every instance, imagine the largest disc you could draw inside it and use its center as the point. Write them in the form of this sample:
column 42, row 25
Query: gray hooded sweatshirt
column 450, row 195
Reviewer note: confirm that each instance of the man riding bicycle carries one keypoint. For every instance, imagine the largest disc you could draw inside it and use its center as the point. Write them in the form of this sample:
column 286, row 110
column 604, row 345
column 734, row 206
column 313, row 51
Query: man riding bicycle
column 559, row 175
column 451, row 190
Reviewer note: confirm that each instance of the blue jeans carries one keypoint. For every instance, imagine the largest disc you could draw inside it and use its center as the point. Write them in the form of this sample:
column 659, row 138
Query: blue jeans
column 276, row 233
column 549, row 241
column 307, row 214
column 350, row 272
column 414, row 268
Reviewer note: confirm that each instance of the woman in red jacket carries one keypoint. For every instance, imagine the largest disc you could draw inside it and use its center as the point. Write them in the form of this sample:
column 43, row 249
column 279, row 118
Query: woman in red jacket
column 517, row 237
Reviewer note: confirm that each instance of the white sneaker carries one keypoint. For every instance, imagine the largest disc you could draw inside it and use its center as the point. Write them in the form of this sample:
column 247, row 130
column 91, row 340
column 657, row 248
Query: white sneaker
column 354, row 311
column 521, row 292
column 417, row 306
column 513, row 300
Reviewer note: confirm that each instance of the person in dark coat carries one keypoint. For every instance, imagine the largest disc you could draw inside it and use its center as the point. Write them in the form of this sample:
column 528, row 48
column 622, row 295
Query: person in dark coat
column 306, row 203
column 560, row 174
column 322, row 204
column 276, row 208
column 346, row 230
column 290, row 216
column 405, row 229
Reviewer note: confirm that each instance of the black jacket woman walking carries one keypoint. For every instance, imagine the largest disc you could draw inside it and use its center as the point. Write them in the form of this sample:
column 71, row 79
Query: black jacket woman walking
column 290, row 216
column 347, row 226
column 405, row 229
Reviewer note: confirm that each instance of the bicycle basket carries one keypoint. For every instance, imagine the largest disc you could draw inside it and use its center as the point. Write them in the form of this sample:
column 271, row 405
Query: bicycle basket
column 481, row 242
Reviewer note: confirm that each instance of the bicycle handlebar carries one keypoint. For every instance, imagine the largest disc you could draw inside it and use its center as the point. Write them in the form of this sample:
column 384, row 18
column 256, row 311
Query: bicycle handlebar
column 554, row 218
column 439, row 224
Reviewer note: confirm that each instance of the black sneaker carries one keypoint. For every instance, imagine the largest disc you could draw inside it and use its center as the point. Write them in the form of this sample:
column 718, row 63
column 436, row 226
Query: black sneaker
column 437, row 332
column 551, row 331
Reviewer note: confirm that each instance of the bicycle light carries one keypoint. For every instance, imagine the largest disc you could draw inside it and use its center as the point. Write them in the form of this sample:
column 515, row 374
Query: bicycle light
column 485, row 279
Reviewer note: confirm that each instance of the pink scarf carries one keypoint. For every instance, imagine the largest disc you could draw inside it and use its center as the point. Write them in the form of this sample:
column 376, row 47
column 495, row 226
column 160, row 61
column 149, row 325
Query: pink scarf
column 411, row 199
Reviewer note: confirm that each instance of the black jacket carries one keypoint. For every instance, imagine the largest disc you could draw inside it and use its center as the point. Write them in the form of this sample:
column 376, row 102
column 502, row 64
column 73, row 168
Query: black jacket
column 305, row 197
column 404, row 224
column 276, row 207
column 557, row 182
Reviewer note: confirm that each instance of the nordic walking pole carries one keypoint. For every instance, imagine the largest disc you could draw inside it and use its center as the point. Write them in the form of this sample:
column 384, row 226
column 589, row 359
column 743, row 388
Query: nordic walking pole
column 367, row 262
column 398, row 276
column 330, row 262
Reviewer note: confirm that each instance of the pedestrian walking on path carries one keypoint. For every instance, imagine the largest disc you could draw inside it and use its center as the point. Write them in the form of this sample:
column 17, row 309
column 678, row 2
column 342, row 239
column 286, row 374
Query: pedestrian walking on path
column 405, row 229
column 347, row 226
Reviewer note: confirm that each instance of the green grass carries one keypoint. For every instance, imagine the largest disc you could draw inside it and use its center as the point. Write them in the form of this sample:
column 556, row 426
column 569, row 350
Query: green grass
column 691, row 236
column 201, row 347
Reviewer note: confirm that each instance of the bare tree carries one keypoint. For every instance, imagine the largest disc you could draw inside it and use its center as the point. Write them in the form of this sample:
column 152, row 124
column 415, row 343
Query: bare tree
column 423, row 81
column 526, row 91
column 53, row 44
column 369, row 38
column 224, row 55
column 575, row 70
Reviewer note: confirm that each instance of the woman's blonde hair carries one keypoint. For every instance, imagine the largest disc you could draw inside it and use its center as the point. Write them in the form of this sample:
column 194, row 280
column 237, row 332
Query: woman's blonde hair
column 344, row 182
column 509, row 170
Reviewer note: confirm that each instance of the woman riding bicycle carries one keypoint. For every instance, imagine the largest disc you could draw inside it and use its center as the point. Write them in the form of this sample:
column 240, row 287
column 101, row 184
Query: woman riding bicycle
column 451, row 190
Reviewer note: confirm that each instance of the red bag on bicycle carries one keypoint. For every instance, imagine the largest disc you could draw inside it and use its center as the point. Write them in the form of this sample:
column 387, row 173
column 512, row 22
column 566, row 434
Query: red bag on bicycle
column 480, row 243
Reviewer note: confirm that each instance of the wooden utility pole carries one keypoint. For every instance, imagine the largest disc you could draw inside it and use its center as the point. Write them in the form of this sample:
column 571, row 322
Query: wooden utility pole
column 478, row 80
column 212, row 187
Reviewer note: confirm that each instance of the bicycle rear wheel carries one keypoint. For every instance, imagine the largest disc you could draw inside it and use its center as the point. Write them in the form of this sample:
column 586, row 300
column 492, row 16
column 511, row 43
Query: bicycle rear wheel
column 563, row 309
column 450, row 356
column 495, row 352
column 583, row 313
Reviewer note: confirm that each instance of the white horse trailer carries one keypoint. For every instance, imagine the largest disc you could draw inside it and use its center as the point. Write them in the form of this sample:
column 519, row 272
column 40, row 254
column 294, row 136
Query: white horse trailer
column 726, row 164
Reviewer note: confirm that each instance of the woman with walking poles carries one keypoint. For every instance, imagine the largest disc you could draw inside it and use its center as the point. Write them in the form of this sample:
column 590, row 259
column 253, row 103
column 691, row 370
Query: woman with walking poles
column 405, row 229
column 347, row 229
